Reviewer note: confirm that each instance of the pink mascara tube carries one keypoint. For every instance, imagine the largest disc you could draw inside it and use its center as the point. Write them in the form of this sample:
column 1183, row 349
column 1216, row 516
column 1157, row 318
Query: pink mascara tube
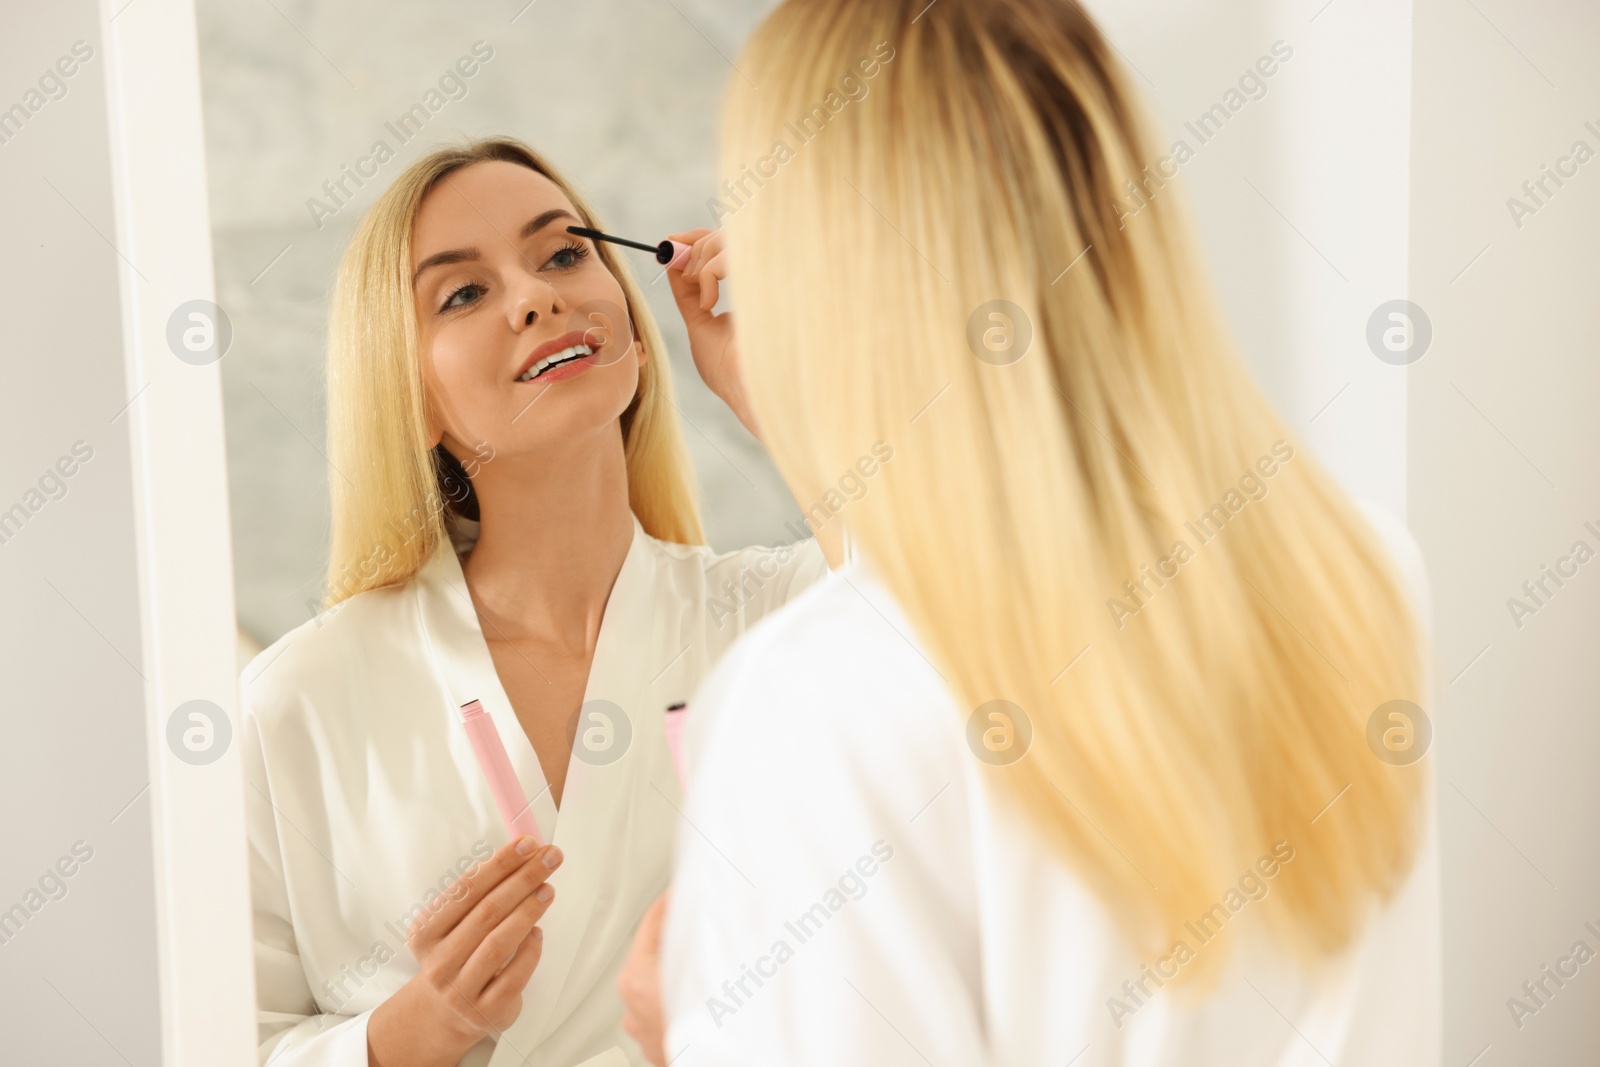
column 674, row 730
column 503, row 784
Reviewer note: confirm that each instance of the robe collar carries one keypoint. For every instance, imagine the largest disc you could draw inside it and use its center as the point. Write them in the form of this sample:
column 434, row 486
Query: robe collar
column 598, row 797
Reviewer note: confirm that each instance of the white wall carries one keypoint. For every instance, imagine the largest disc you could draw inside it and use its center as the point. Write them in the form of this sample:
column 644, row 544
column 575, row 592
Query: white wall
column 1505, row 472
column 1300, row 197
column 78, row 981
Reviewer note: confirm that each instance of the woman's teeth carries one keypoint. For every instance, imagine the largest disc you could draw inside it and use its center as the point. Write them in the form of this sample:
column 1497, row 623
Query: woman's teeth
column 563, row 356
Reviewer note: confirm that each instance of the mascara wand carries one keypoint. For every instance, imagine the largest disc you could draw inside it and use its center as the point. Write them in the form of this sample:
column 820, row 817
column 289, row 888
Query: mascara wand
column 671, row 254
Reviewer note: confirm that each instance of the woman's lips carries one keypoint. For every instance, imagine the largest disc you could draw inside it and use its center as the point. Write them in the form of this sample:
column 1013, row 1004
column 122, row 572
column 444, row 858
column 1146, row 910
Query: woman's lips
column 573, row 364
column 570, row 369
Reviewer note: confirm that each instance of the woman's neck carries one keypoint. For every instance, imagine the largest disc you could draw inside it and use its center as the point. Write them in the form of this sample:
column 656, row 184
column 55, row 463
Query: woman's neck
column 554, row 531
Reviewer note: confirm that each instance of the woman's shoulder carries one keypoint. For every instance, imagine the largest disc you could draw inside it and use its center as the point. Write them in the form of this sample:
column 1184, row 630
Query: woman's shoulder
column 317, row 656
column 802, row 553
column 743, row 583
column 1403, row 551
column 837, row 675
column 846, row 623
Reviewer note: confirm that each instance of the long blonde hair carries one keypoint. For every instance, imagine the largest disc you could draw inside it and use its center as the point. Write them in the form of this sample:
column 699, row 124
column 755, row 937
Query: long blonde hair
column 388, row 503
column 980, row 155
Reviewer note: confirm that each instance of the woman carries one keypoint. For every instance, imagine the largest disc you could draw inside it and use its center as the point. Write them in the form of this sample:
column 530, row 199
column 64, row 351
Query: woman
column 495, row 386
column 1071, row 764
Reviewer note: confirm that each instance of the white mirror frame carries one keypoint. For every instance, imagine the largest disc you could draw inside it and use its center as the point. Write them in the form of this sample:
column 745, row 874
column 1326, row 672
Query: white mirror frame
column 180, row 490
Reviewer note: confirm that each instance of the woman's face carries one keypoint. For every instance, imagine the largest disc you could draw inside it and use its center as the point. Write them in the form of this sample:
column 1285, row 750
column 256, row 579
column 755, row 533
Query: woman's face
column 506, row 300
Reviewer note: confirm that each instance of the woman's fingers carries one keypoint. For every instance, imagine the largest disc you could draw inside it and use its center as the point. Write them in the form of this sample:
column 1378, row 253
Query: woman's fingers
column 501, row 999
column 445, row 913
column 711, row 274
column 707, row 265
column 639, row 984
column 686, row 293
column 707, row 247
column 689, row 237
column 716, row 266
column 512, row 893
column 496, row 951
column 704, row 246
column 708, row 291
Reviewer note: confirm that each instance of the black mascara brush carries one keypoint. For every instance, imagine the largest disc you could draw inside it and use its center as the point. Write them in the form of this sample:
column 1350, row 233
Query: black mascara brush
column 671, row 254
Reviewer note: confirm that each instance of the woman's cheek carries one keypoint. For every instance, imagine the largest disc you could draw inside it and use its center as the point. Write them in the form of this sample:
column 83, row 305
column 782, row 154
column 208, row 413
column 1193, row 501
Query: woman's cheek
column 453, row 369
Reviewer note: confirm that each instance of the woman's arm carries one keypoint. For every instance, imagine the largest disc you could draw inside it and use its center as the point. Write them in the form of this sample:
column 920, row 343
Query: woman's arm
column 290, row 1028
column 711, row 338
column 476, row 948
column 715, row 348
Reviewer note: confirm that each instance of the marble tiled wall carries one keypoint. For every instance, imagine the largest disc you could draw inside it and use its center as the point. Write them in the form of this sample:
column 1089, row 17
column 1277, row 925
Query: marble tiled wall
column 622, row 95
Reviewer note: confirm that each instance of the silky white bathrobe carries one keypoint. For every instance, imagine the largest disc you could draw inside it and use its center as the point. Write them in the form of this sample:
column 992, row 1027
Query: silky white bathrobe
column 363, row 796
column 856, row 891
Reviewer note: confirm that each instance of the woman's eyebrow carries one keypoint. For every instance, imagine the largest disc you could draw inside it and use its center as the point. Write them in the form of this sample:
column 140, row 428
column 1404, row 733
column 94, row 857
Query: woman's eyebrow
column 440, row 259
column 466, row 255
column 539, row 222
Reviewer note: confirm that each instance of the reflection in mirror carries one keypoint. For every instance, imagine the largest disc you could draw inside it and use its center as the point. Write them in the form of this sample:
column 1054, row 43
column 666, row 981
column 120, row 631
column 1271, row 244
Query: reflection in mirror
column 492, row 495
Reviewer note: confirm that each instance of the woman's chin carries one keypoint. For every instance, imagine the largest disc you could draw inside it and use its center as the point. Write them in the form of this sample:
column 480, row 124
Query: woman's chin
column 546, row 416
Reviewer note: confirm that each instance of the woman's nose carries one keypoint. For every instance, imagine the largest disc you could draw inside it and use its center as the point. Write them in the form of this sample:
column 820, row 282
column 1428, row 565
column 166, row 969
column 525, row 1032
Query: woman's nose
column 533, row 299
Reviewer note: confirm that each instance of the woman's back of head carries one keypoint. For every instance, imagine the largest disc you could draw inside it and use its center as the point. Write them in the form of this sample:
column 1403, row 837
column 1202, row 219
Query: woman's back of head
column 935, row 249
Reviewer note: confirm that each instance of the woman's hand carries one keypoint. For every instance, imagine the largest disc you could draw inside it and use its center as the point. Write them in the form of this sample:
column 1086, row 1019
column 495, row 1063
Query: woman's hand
column 639, row 982
column 477, row 947
column 711, row 339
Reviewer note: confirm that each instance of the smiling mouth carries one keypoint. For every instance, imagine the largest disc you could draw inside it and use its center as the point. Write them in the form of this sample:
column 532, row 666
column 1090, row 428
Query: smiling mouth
column 556, row 359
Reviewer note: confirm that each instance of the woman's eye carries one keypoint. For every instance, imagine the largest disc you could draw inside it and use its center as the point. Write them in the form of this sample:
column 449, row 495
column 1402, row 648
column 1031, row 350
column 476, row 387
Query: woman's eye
column 463, row 296
column 568, row 257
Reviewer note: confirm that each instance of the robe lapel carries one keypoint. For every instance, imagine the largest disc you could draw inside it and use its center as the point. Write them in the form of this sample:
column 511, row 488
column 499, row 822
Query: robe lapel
column 466, row 671
column 617, row 738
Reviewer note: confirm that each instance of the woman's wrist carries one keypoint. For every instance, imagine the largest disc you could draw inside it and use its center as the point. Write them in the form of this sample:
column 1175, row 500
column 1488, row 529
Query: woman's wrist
column 401, row 1033
column 733, row 395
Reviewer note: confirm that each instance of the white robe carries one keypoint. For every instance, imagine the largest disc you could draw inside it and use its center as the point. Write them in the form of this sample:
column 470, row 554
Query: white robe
column 856, row 892
column 363, row 796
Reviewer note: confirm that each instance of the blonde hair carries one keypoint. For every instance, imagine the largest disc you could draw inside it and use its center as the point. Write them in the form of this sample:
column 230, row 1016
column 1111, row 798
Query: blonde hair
column 979, row 158
column 388, row 503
